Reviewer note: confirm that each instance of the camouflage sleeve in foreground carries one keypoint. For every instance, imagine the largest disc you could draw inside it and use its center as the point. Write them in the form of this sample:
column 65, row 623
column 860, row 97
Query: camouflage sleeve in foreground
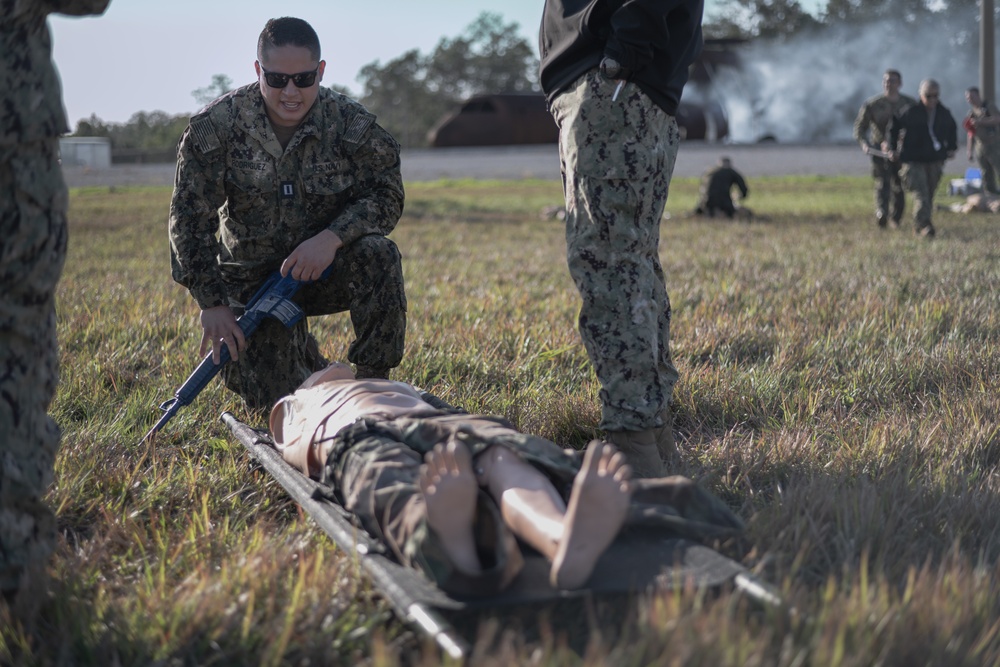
column 199, row 192
column 31, row 107
column 379, row 203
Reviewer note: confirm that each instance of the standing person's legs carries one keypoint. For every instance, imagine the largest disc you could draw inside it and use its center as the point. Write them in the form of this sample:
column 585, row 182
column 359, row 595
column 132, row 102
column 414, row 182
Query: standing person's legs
column 917, row 176
column 934, row 171
column 897, row 196
column 33, row 238
column 882, row 175
column 617, row 159
column 664, row 427
column 987, row 166
column 990, row 165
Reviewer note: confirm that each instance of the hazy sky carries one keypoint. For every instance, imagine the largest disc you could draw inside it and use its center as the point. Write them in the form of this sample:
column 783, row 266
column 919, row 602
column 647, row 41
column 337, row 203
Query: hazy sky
column 148, row 55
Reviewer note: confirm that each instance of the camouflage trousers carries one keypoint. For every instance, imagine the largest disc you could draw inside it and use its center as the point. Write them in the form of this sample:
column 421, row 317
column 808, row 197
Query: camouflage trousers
column 617, row 158
column 922, row 178
column 374, row 467
column 988, row 157
column 890, row 200
column 33, row 238
column 367, row 280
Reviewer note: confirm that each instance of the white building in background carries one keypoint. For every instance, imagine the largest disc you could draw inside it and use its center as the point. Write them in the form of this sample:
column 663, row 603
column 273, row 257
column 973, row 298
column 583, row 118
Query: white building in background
column 91, row 152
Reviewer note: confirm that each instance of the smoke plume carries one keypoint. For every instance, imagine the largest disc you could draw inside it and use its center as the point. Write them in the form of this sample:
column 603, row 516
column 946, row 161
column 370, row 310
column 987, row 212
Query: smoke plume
column 809, row 88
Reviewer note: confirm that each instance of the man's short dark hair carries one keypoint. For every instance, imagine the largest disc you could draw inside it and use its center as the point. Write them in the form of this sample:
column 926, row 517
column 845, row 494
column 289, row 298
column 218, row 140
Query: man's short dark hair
column 895, row 73
column 972, row 89
column 288, row 31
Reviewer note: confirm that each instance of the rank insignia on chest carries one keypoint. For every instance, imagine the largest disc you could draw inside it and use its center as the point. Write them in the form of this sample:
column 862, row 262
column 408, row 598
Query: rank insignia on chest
column 287, row 189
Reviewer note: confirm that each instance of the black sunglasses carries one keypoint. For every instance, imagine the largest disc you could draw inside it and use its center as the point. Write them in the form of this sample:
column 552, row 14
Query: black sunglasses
column 301, row 80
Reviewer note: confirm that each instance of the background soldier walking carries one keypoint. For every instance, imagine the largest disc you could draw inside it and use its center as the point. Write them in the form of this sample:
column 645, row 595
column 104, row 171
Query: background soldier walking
column 870, row 130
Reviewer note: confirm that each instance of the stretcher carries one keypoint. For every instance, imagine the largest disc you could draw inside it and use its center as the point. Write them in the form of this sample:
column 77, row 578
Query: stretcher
column 636, row 561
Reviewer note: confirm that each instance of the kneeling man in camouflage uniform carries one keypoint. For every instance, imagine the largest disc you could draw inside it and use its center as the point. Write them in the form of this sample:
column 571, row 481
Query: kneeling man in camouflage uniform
column 451, row 493
column 285, row 175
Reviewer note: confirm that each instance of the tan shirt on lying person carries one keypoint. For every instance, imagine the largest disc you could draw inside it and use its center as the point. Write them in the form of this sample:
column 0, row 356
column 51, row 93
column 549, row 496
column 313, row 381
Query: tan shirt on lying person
column 310, row 415
column 304, row 423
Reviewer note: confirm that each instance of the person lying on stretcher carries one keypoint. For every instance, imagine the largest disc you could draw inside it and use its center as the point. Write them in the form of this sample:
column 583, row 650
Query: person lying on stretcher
column 452, row 493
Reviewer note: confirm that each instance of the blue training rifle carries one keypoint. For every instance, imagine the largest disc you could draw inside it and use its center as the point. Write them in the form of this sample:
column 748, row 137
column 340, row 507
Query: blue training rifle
column 273, row 299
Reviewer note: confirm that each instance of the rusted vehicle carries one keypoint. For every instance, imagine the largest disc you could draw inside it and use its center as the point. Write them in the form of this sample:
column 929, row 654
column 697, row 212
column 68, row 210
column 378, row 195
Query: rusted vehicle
column 496, row 120
column 702, row 121
column 504, row 119
column 500, row 120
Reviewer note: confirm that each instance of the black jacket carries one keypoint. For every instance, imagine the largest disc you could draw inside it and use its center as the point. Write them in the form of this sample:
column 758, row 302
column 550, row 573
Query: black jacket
column 917, row 144
column 656, row 39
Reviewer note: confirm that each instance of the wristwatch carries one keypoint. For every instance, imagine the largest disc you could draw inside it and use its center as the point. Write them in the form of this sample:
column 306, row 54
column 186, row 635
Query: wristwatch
column 612, row 70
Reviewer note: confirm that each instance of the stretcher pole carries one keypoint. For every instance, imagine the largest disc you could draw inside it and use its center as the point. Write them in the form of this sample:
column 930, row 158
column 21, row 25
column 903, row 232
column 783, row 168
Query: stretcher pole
column 335, row 524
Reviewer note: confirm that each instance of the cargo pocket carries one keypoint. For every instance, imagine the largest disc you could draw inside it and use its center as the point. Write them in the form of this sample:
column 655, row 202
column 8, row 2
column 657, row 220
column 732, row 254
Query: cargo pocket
column 608, row 139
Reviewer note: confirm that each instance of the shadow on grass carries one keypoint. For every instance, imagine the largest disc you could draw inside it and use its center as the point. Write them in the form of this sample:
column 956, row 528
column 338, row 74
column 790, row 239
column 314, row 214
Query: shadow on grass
column 903, row 498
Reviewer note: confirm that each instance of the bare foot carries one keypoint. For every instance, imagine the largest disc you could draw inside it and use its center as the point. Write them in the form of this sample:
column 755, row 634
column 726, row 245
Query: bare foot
column 449, row 487
column 597, row 508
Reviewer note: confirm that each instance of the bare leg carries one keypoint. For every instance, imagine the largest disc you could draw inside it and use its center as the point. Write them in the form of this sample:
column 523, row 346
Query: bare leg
column 449, row 487
column 574, row 538
column 529, row 504
column 597, row 509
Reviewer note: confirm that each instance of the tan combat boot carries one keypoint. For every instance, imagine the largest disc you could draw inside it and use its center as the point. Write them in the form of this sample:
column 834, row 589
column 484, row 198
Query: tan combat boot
column 665, row 435
column 640, row 450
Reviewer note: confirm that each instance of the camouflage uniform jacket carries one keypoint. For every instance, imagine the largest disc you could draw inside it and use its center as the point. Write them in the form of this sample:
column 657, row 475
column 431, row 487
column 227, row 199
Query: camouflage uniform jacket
column 36, row 112
column 988, row 135
column 241, row 204
column 870, row 127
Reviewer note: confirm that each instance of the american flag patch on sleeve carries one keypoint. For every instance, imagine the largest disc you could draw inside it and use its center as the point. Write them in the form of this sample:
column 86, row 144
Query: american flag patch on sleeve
column 204, row 135
column 358, row 128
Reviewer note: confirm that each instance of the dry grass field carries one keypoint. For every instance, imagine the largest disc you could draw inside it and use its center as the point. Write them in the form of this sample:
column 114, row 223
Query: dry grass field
column 838, row 389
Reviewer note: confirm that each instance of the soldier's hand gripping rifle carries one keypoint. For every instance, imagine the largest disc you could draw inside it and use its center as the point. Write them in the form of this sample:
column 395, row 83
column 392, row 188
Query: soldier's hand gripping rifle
column 273, row 299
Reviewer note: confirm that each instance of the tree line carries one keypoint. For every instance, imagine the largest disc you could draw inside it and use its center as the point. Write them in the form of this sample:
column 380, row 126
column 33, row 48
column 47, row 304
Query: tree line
column 413, row 91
